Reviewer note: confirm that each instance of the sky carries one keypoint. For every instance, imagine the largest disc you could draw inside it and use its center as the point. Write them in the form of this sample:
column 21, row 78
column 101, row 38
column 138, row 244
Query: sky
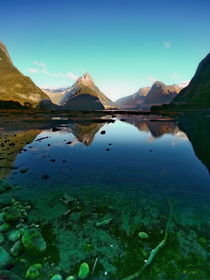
column 123, row 44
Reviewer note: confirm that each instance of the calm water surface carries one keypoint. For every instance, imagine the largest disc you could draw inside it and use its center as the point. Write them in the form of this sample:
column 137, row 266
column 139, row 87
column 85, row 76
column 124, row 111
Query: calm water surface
column 94, row 185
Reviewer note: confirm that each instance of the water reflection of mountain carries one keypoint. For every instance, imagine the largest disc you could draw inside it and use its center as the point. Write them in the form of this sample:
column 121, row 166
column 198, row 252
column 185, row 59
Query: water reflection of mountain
column 85, row 130
column 197, row 129
column 11, row 143
column 156, row 127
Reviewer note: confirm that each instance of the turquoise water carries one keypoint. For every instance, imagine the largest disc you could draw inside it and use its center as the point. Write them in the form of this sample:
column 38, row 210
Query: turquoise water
column 122, row 176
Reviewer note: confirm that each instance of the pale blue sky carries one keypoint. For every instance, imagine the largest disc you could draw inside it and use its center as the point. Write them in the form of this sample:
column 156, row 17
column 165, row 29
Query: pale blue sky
column 124, row 44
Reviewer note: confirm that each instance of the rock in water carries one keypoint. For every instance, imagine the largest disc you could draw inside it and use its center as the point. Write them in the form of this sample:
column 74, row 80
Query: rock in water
column 5, row 258
column 16, row 249
column 143, row 235
column 14, row 235
column 33, row 241
column 83, row 271
column 56, row 277
column 34, row 271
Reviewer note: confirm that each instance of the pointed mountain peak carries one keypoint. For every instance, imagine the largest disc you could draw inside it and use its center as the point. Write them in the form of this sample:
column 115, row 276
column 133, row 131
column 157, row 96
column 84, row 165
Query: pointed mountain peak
column 4, row 49
column 87, row 76
column 158, row 84
column 86, row 79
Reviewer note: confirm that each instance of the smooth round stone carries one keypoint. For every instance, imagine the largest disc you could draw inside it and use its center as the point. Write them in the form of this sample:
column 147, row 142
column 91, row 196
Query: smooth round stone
column 56, row 277
column 14, row 235
column 143, row 235
column 83, row 271
column 71, row 277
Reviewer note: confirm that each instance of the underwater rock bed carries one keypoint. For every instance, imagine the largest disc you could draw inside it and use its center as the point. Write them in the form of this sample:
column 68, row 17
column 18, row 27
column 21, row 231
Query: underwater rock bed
column 107, row 239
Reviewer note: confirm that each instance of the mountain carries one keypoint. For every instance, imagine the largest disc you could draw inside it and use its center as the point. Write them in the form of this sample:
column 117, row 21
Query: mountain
column 14, row 86
column 134, row 100
column 197, row 129
column 55, row 94
column 161, row 94
column 84, row 95
column 197, row 93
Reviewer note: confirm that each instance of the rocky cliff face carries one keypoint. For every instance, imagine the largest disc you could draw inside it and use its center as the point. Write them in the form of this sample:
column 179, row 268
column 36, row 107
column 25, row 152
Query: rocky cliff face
column 161, row 94
column 14, row 86
column 197, row 93
column 133, row 101
column 85, row 95
column 158, row 94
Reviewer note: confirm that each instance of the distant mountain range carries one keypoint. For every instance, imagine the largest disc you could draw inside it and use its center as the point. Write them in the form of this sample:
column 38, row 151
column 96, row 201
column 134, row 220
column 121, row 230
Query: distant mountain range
column 55, row 94
column 14, row 86
column 159, row 93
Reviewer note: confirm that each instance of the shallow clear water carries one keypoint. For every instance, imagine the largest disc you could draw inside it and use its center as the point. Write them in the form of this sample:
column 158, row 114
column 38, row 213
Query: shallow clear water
column 123, row 174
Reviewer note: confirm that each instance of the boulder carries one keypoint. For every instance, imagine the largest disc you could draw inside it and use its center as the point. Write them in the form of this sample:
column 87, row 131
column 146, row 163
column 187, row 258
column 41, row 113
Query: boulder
column 33, row 241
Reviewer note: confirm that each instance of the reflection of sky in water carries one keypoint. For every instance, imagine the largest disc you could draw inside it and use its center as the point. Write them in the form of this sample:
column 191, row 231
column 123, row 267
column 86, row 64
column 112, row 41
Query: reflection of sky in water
column 135, row 157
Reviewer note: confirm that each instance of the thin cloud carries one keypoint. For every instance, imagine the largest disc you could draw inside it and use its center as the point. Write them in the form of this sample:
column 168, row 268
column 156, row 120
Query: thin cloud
column 33, row 70
column 39, row 63
column 167, row 45
column 42, row 68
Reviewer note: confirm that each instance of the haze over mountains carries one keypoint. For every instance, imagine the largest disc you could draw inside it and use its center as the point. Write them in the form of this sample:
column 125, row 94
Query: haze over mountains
column 85, row 95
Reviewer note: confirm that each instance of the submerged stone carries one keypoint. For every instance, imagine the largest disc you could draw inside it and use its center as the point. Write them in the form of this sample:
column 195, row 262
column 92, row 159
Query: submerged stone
column 32, row 240
column 14, row 235
column 13, row 214
column 71, row 277
column 84, row 270
column 56, row 277
column 34, row 271
column 16, row 249
column 143, row 235
column 4, row 227
column 5, row 258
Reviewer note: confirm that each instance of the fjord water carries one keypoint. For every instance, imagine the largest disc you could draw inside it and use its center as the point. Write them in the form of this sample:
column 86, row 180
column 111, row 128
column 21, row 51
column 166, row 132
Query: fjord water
column 122, row 173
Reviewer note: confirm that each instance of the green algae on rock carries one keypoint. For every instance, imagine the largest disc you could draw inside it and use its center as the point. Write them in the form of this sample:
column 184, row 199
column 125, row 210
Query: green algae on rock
column 143, row 235
column 84, row 270
column 33, row 241
column 14, row 235
column 71, row 277
column 5, row 258
column 16, row 249
column 34, row 271
column 4, row 227
column 56, row 277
